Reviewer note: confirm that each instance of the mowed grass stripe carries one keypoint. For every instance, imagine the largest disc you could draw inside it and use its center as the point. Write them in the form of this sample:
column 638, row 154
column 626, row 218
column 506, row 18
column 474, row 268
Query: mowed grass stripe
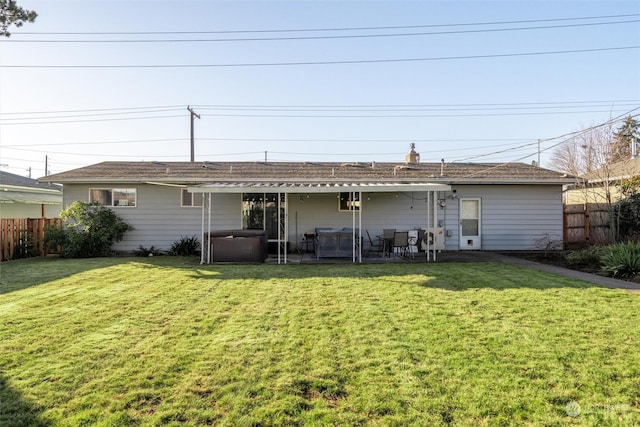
column 165, row 340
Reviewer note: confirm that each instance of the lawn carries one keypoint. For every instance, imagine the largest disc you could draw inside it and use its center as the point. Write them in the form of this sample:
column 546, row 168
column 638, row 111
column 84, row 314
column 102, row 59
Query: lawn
column 165, row 341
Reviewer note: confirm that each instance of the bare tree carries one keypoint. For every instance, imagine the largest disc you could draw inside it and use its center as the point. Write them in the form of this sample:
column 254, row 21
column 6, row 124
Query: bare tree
column 586, row 153
column 598, row 158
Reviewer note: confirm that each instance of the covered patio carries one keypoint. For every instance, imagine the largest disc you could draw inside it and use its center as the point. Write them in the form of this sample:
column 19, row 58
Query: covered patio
column 352, row 199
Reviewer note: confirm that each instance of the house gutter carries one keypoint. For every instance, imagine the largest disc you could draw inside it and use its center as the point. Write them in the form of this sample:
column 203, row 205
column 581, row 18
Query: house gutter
column 181, row 182
column 36, row 190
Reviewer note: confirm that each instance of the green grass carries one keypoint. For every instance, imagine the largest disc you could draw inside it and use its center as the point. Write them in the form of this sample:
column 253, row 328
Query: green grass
column 165, row 341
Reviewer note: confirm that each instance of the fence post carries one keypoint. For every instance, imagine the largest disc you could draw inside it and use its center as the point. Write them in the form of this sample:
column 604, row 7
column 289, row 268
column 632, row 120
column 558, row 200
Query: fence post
column 587, row 223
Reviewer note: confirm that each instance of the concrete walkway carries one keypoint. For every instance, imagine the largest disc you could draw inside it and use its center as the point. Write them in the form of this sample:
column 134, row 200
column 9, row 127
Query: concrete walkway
column 607, row 282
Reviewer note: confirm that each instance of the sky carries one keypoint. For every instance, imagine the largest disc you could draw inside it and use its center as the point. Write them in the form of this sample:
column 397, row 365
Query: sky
column 344, row 81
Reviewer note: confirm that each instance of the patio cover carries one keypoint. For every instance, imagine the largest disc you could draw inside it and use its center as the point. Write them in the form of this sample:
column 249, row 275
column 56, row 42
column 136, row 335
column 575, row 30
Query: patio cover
column 31, row 198
column 283, row 187
column 314, row 187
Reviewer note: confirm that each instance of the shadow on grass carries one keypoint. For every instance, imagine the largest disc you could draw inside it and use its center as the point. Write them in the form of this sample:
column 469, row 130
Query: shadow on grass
column 455, row 276
column 24, row 273
column 15, row 411
column 452, row 276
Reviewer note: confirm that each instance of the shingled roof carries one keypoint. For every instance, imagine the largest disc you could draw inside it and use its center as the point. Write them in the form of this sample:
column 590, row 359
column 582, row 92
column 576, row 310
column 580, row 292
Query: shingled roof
column 621, row 170
column 307, row 172
column 13, row 180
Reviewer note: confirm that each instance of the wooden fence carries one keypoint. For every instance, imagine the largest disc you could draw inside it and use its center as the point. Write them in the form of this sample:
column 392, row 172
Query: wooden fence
column 23, row 237
column 586, row 225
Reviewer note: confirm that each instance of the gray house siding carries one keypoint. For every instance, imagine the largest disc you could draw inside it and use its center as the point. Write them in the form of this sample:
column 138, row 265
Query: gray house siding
column 158, row 218
column 513, row 217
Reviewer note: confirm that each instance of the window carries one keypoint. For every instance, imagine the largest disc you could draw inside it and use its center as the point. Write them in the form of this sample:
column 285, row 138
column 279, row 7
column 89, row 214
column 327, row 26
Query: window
column 190, row 200
column 117, row 197
column 345, row 204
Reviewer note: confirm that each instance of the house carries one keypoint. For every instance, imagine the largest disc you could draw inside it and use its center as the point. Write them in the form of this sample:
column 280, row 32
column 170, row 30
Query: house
column 22, row 197
column 603, row 185
column 461, row 206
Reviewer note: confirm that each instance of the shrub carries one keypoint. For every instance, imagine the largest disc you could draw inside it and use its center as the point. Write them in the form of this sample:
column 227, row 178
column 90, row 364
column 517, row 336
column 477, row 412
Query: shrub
column 622, row 260
column 585, row 257
column 186, row 246
column 627, row 217
column 547, row 243
column 89, row 230
column 151, row 251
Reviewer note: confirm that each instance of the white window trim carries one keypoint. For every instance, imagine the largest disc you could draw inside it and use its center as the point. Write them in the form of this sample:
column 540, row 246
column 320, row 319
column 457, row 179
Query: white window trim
column 193, row 197
column 112, row 189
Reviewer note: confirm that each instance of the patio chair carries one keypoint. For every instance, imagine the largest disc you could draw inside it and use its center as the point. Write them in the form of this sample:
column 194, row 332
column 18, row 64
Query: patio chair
column 387, row 239
column 401, row 242
column 388, row 233
column 374, row 246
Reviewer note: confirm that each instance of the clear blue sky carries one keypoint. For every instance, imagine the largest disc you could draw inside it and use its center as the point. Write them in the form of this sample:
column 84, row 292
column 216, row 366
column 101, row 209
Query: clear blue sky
column 454, row 109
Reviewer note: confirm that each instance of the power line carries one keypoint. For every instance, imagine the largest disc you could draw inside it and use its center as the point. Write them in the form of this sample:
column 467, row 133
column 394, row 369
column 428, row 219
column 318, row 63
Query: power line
column 326, row 37
column 307, row 116
column 551, row 104
column 494, row 153
column 112, row 109
column 342, row 140
column 407, row 115
column 342, row 62
column 414, row 109
column 570, row 134
column 288, row 30
column 91, row 115
column 92, row 120
column 129, row 141
column 361, row 140
column 204, row 106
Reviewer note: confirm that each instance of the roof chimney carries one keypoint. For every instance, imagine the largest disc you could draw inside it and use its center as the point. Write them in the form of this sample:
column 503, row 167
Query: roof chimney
column 412, row 158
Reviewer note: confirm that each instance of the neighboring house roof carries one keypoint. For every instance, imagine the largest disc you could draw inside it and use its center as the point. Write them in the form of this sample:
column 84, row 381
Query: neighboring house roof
column 301, row 173
column 620, row 170
column 20, row 189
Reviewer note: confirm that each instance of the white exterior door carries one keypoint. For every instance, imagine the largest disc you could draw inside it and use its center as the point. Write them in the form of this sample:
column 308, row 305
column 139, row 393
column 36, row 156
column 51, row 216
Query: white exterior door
column 470, row 224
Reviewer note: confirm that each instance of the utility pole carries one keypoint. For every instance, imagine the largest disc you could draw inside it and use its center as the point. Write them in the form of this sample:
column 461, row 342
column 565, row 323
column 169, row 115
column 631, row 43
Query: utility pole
column 29, row 170
column 193, row 116
column 46, row 165
column 538, row 153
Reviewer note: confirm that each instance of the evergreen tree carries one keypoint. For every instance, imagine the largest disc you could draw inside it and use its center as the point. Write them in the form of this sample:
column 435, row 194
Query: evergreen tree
column 12, row 14
column 627, row 135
